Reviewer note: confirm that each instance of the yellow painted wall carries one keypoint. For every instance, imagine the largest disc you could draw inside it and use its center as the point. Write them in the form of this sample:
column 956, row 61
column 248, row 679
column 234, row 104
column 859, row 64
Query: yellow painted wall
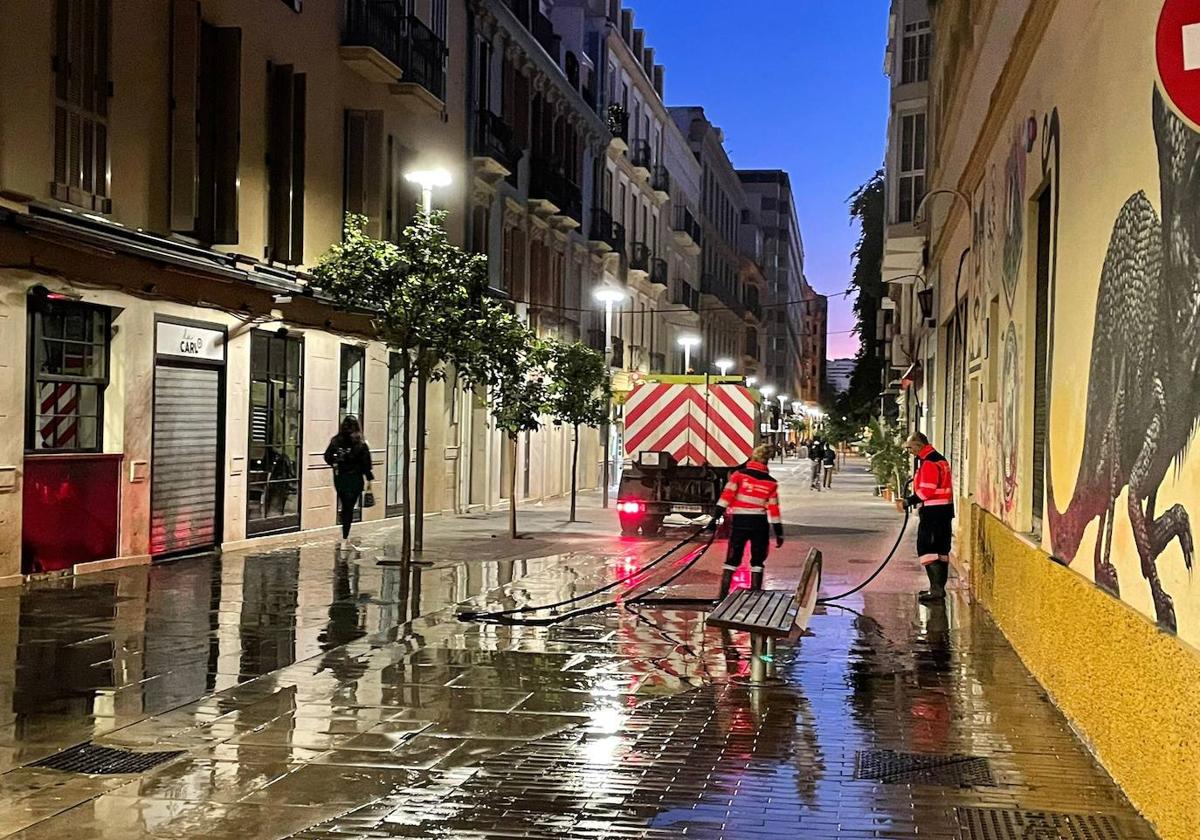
column 1129, row 688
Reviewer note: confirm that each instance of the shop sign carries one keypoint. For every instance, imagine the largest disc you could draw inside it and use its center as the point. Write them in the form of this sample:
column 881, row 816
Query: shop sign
column 1177, row 49
column 184, row 341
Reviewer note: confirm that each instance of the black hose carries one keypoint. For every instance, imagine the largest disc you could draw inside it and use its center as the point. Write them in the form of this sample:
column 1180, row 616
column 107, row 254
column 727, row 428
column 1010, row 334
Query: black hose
column 506, row 616
column 830, row 599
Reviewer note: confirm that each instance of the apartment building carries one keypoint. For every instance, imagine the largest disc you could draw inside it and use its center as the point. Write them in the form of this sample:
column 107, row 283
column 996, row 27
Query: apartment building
column 167, row 172
column 1063, row 309
column 794, row 314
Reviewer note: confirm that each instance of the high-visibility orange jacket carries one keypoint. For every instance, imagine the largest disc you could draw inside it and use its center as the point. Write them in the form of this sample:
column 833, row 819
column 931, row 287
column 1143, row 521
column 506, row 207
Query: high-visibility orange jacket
column 932, row 484
column 751, row 491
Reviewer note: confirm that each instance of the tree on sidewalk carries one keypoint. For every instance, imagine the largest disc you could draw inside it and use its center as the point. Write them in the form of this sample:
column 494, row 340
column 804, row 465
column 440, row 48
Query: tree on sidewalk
column 579, row 395
column 424, row 295
column 514, row 374
column 867, row 206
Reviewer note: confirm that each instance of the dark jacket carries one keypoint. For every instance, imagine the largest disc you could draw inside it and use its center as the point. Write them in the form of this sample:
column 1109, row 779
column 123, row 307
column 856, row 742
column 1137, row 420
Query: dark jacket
column 816, row 450
column 351, row 462
column 830, row 456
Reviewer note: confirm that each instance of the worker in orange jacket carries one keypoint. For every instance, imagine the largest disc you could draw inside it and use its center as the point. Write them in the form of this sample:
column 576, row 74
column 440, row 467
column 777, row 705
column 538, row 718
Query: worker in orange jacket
column 751, row 499
column 933, row 492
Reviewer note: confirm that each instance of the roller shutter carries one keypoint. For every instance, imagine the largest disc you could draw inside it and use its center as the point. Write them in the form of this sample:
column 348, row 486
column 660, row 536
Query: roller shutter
column 183, row 493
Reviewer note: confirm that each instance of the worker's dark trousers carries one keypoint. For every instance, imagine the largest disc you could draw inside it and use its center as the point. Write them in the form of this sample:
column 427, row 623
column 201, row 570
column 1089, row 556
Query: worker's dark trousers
column 746, row 528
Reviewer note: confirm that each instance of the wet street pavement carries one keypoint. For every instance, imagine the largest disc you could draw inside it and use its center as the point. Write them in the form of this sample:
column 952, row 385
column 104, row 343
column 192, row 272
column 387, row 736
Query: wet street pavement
column 302, row 692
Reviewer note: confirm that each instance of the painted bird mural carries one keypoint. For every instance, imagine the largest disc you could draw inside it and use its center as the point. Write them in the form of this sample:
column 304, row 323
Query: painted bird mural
column 1143, row 403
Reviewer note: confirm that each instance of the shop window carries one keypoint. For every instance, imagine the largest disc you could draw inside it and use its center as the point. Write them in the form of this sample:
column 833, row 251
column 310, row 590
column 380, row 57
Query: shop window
column 68, row 372
column 276, row 418
column 350, row 391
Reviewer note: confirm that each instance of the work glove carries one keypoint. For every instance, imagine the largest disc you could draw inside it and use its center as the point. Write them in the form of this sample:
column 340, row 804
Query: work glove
column 912, row 501
column 779, row 536
column 716, row 518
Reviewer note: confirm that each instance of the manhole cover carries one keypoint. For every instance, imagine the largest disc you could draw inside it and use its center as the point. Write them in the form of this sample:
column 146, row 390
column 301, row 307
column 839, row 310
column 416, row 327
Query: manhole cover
column 922, row 768
column 101, row 761
column 1003, row 824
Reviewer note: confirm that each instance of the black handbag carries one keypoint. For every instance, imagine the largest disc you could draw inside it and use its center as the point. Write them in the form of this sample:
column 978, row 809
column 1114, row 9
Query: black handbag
column 368, row 499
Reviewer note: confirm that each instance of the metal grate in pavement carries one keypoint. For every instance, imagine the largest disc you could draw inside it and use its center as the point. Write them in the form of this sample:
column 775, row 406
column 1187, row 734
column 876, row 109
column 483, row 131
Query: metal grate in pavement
column 103, row 761
column 894, row 768
column 1004, row 824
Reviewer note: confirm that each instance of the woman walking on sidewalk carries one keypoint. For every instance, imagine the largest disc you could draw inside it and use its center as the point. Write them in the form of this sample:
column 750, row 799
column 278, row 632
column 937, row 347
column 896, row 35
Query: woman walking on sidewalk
column 350, row 458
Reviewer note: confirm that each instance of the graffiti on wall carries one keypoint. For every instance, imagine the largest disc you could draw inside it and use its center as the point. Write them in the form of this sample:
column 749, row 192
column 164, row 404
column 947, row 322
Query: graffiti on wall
column 1143, row 394
column 1014, row 212
column 1010, row 395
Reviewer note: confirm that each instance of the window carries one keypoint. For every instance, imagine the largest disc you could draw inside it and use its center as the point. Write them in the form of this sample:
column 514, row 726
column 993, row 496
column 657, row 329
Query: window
column 67, row 375
column 81, row 93
column 276, row 415
column 363, row 154
column 350, row 389
column 911, row 186
column 915, row 53
column 206, row 81
column 285, row 164
column 769, row 204
column 483, row 71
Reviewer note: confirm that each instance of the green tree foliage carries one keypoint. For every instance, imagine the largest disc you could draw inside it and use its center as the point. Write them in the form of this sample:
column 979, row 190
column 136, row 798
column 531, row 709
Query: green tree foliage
column 579, row 395
column 424, row 295
column 890, row 462
column 867, row 207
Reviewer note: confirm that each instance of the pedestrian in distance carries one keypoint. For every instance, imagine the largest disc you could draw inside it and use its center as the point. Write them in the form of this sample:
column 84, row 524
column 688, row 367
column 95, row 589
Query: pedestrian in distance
column 751, row 500
column 816, row 454
column 933, row 493
column 350, row 457
column 829, row 462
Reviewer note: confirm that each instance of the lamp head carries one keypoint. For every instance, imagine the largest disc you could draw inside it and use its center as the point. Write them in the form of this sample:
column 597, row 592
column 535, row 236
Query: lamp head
column 689, row 341
column 608, row 294
column 429, row 178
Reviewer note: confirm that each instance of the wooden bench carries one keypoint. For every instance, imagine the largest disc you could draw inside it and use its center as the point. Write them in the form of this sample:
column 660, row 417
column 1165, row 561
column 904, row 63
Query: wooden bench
column 770, row 614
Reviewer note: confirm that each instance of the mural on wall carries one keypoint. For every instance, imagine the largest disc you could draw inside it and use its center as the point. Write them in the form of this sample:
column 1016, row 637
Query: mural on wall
column 1014, row 209
column 1143, row 397
column 1010, row 416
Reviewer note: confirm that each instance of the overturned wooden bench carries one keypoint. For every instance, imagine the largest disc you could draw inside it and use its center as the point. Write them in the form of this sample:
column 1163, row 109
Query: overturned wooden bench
column 770, row 614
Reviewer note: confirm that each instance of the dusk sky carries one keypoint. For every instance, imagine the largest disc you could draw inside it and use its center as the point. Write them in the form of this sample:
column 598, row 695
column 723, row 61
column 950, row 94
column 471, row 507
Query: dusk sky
column 796, row 85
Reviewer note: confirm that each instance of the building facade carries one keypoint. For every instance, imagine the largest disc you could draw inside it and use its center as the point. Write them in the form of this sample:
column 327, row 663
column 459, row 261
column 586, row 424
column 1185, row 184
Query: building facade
column 794, row 315
column 1057, row 345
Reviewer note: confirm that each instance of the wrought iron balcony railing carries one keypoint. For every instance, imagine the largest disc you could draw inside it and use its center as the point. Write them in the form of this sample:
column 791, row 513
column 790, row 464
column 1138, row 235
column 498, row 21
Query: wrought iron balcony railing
column 494, row 138
column 604, row 229
column 401, row 38
column 639, row 153
column 658, row 271
column 639, row 257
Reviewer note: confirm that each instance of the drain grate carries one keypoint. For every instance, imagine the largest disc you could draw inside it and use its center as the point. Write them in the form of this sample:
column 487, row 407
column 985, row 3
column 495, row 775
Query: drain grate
column 1003, row 824
column 103, row 761
column 923, row 769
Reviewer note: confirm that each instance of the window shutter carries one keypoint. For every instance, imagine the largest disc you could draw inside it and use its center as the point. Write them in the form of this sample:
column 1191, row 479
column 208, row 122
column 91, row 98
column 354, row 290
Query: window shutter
column 226, row 54
column 353, row 176
column 1041, row 397
column 299, row 134
column 185, row 62
column 279, row 161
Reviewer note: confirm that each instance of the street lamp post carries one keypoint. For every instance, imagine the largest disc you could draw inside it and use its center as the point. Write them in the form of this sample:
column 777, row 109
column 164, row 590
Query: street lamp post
column 427, row 179
column 687, row 342
column 609, row 296
column 724, row 365
column 783, row 398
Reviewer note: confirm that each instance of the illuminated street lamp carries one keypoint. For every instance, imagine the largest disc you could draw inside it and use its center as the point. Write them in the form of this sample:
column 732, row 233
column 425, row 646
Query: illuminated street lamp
column 724, row 365
column 687, row 342
column 427, row 179
column 751, row 381
column 609, row 296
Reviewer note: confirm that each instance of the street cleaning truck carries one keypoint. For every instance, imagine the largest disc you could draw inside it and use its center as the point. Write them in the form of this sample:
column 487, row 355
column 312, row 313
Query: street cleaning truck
column 683, row 436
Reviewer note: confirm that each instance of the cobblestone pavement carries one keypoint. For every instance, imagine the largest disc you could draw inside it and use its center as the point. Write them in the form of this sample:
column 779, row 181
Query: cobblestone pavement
column 317, row 694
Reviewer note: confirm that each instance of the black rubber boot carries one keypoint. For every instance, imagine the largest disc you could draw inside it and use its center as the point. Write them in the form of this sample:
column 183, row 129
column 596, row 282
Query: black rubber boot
column 726, row 582
column 756, row 578
column 938, row 573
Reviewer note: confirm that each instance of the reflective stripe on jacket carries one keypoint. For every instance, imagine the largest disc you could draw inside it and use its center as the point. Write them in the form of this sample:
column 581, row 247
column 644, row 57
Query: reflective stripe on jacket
column 932, row 483
column 752, row 491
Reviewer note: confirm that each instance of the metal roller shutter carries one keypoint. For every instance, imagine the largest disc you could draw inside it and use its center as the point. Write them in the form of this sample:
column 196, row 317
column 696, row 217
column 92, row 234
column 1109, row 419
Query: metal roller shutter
column 183, row 495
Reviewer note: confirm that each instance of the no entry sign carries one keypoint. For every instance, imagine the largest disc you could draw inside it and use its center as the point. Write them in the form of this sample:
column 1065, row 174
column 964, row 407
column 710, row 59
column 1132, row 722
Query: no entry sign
column 1178, row 51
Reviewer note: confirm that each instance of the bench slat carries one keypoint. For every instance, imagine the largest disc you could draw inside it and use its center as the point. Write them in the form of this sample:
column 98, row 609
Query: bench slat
column 769, row 613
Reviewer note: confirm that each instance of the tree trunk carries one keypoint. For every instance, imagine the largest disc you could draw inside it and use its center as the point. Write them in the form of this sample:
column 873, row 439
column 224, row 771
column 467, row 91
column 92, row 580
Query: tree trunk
column 574, row 470
column 406, row 454
column 419, row 488
column 512, row 487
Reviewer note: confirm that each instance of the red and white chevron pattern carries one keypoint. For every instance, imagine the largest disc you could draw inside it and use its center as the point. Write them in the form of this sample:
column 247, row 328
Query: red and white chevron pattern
column 697, row 424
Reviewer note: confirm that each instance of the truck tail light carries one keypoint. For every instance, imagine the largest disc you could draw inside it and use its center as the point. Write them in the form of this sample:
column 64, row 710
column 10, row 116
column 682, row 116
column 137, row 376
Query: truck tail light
column 630, row 507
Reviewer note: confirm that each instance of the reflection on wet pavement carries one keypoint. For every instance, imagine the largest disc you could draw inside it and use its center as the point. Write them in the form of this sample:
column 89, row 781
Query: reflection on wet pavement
column 320, row 695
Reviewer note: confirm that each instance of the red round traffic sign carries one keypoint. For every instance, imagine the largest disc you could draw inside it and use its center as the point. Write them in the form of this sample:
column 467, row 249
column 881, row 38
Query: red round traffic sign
column 1177, row 48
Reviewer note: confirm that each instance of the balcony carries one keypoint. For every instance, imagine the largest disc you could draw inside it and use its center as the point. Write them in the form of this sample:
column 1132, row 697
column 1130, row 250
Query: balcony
column 684, row 295
column 618, row 126
column 554, row 194
column 496, row 149
column 687, row 230
column 604, row 233
column 639, row 259
column 639, row 156
column 385, row 44
column 660, row 182
column 658, row 272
